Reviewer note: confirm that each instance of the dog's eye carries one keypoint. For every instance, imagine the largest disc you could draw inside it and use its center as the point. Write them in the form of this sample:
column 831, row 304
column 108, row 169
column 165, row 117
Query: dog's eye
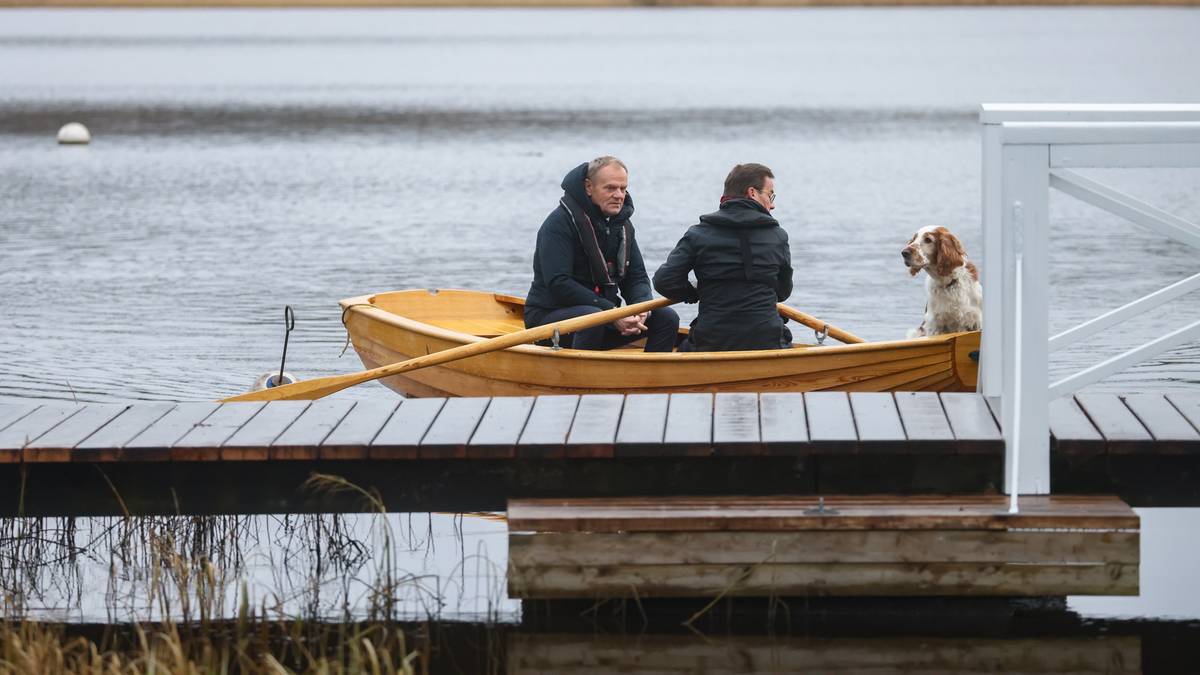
column 928, row 240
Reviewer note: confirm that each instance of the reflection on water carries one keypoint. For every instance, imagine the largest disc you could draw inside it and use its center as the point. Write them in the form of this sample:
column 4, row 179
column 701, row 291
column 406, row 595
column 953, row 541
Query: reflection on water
column 242, row 161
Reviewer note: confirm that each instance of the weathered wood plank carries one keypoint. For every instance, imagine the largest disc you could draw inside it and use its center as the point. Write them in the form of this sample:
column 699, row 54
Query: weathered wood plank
column 925, row 423
column 643, row 421
column 11, row 412
column 451, row 431
column 1122, row 431
column 878, row 423
column 253, row 440
column 817, row 546
column 154, row 444
column 841, row 512
column 105, row 445
column 689, row 426
column 595, row 428
column 867, row 579
column 1171, row 431
column 546, row 430
column 29, row 428
column 353, row 435
column 975, row 430
column 735, row 425
column 203, row 442
column 302, row 438
column 1072, row 433
column 56, row 445
column 501, row 427
column 830, row 422
column 402, row 434
column 659, row 654
column 783, row 423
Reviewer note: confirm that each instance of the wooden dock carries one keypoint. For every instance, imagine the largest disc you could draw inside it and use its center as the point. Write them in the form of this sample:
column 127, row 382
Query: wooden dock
column 475, row 453
column 829, row 546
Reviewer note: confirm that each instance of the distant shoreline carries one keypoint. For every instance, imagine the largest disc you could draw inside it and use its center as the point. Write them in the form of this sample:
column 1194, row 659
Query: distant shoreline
column 29, row 4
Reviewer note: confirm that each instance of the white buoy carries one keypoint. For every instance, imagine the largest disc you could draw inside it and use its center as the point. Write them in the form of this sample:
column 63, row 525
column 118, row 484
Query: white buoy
column 269, row 380
column 74, row 133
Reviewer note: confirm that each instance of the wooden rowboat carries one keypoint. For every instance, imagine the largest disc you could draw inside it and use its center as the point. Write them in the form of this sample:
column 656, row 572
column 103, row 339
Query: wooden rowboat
column 391, row 327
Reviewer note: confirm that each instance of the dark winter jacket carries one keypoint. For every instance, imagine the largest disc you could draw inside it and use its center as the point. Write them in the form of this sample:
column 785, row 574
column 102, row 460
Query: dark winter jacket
column 743, row 267
column 562, row 276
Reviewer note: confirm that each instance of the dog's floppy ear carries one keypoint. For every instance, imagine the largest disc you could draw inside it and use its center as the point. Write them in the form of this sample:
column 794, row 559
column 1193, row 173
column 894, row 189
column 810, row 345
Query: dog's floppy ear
column 949, row 252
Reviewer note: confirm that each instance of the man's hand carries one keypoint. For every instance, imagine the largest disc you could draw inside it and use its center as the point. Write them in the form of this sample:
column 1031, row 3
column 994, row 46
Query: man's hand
column 632, row 325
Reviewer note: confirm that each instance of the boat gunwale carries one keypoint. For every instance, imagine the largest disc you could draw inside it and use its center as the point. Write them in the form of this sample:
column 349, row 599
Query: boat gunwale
column 363, row 303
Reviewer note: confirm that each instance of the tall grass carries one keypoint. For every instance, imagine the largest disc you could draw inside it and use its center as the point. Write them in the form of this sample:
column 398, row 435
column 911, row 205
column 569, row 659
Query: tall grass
column 177, row 599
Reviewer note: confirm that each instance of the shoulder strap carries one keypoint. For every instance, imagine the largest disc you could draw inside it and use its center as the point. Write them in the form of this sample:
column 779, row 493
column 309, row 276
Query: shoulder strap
column 586, row 232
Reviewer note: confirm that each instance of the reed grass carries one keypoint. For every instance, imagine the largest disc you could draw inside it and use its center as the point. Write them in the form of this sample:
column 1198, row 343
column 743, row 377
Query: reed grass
column 178, row 602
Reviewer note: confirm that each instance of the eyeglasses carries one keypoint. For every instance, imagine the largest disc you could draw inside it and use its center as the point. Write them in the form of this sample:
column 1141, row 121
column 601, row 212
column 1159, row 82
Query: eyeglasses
column 769, row 195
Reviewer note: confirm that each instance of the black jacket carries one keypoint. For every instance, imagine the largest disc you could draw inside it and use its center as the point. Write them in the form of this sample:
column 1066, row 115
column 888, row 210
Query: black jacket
column 743, row 267
column 561, row 276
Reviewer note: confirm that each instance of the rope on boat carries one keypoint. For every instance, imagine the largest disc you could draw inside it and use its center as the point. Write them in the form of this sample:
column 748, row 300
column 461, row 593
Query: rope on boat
column 345, row 309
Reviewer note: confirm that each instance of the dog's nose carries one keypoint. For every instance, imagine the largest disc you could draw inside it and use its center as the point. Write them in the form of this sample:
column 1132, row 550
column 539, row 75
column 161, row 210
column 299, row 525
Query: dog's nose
column 906, row 254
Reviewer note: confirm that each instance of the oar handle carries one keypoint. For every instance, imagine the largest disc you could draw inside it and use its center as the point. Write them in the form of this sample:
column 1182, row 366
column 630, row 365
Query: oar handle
column 816, row 324
column 323, row 386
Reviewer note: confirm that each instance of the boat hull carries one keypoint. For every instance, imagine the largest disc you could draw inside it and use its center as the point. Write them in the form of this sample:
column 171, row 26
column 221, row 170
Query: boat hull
column 391, row 327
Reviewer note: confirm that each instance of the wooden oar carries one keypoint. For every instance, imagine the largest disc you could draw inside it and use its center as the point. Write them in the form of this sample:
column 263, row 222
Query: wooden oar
column 324, row 386
column 819, row 325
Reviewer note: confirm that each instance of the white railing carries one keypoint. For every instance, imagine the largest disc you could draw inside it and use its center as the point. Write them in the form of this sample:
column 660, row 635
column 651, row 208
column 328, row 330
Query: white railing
column 1027, row 150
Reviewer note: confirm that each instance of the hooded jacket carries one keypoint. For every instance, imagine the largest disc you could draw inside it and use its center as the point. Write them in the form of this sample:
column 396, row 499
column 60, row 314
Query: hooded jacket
column 743, row 267
column 562, row 273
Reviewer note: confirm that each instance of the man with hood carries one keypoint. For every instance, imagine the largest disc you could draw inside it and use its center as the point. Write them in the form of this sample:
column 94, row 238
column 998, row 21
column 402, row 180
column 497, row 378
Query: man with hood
column 743, row 267
column 587, row 260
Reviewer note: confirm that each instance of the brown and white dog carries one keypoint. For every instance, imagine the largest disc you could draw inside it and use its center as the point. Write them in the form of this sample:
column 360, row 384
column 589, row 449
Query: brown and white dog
column 954, row 298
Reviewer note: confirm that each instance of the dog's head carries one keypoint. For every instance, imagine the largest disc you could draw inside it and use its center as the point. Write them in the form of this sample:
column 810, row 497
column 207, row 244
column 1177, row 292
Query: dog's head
column 934, row 249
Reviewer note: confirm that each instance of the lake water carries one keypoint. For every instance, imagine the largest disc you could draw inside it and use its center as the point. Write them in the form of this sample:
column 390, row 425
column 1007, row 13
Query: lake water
column 243, row 160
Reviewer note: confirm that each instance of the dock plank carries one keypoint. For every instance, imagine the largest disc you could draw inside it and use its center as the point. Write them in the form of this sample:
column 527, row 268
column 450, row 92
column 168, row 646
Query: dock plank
column 1171, row 431
column 449, row 434
column 643, row 421
column 975, row 430
column 401, row 436
column 595, row 428
column 689, row 426
column 878, row 422
column 735, row 424
column 11, row 412
column 154, row 444
column 303, row 437
column 925, row 423
column 1122, row 431
column 1071, row 432
column 253, row 441
column 105, row 445
column 841, row 512
column 353, row 435
column 550, row 549
column 545, row 433
column 783, row 424
column 830, row 422
column 29, row 428
column 868, row 579
column 56, row 445
column 501, row 427
column 203, row 442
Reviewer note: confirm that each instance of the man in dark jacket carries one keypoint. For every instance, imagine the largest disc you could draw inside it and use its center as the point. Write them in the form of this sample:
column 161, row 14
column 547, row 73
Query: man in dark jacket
column 586, row 254
column 743, row 267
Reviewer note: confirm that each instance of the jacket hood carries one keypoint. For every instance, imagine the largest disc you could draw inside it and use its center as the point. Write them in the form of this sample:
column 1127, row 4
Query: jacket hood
column 741, row 213
column 572, row 184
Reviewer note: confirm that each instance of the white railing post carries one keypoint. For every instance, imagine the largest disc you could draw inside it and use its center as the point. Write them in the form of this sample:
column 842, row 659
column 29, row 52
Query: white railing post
column 1025, row 215
column 991, row 347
